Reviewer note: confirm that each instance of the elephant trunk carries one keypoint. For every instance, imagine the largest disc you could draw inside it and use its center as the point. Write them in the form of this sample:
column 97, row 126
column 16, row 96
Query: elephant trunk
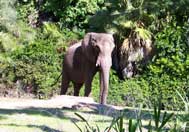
column 105, row 65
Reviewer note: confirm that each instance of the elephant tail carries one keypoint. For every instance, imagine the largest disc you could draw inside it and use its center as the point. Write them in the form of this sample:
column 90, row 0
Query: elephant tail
column 57, row 79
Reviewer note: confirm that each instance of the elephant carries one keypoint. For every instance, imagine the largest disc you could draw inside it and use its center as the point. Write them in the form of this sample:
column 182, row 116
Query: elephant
column 84, row 59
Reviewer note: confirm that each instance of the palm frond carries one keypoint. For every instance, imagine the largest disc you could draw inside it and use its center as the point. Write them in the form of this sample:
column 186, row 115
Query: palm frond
column 143, row 33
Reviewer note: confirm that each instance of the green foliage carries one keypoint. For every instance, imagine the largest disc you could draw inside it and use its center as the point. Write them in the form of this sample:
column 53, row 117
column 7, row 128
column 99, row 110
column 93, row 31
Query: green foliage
column 172, row 52
column 33, row 60
column 7, row 42
column 165, row 87
column 73, row 14
column 183, row 118
column 144, row 90
column 168, row 70
column 67, row 13
column 30, row 54
column 117, row 124
column 36, row 61
column 28, row 12
column 160, row 120
column 157, row 115
column 133, row 125
column 7, row 14
column 127, row 92
column 88, row 127
column 120, row 17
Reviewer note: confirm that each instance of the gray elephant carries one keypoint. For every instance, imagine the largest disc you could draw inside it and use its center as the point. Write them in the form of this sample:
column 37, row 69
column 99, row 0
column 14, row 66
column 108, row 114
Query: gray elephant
column 84, row 59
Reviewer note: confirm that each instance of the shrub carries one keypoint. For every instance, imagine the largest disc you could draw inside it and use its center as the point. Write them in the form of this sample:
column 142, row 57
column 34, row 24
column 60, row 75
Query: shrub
column 28, row 12
column 144, row 90
column 7, row 14
column 166, row 74
column 172, row 52
column 36, row 64
column 73, row 14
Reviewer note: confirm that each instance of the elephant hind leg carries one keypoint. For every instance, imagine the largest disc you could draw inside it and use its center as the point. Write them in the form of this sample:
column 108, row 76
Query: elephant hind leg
column 64, row 85
column 77, row 87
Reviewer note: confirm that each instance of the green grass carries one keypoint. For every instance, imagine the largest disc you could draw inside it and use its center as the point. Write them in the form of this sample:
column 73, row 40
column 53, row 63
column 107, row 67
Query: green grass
column 31, row 120
column 46, row 120
column 61, row 120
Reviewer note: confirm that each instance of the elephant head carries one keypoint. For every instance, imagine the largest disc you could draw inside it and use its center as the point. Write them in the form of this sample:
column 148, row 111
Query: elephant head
column 98, row 48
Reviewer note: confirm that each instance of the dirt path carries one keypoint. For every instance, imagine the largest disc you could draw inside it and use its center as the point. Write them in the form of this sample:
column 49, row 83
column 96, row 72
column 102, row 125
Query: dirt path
column 63, row 101
column 55, row 102
column 55, row 115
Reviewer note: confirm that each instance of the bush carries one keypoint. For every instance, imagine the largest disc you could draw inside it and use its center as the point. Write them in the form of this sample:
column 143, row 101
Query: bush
column 172, row 52
column 144, row 90
column 30, row 54
column 7, row 14
column 35, row 65
column 166, row 74
column 73, row 14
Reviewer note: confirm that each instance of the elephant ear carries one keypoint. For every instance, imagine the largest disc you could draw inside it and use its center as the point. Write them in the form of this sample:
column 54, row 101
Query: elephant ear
column 89, row 46
column 89, row 39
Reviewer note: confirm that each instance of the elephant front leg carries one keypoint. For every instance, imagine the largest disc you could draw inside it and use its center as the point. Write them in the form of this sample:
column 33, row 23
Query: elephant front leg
column 103, row 90
column 77, row 87
column 104, row 84
column 88, row 83
column 101, row 87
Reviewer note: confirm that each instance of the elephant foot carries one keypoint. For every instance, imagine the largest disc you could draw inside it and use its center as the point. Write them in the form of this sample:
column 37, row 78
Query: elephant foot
column 88, row 95
column 102, row 100
column 63, row 92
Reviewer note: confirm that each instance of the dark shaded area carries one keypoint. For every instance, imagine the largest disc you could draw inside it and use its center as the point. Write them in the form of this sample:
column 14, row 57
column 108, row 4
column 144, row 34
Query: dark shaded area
column 81, row 108
column 44, row 128
column 108, row 110
column 85, row 108
column 48, row 112
column 97, row 109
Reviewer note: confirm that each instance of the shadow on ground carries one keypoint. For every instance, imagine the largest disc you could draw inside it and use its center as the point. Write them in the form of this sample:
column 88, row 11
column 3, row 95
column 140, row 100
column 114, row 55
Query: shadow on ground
column 44, row 128
column 48, row 112
column 84, row 109
column 96, row 109
column 112, row 111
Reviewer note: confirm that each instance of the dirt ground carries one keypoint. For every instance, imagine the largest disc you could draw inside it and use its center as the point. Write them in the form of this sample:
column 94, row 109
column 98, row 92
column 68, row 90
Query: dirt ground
column 55, row 102
column 63, row 101
column 52, row 115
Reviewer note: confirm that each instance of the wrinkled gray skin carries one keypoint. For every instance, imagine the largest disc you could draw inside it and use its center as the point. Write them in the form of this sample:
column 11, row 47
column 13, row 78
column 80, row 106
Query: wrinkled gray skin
column 84, row 59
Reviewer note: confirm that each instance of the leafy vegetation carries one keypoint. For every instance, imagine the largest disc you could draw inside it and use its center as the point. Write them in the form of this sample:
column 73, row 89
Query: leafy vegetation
column 134, row 125
column 168, row 70
column 158, row 121
column 72, row 14
column 35, row 34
